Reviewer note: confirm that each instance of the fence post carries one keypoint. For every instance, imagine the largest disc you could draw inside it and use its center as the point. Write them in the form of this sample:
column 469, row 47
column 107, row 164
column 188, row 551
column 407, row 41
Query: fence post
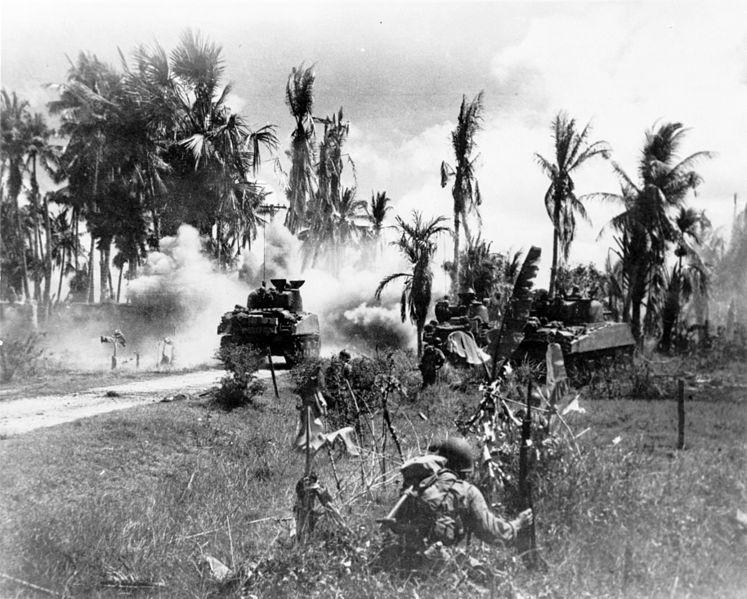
column 680, row 414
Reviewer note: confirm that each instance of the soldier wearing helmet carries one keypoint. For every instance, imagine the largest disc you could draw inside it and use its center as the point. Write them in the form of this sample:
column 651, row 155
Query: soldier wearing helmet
column 431, row 362
column 347, row 369
column 442, row 507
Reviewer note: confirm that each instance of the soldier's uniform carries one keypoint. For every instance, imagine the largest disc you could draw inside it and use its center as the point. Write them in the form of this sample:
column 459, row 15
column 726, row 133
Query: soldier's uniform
column 431, row 362
column 441, row 508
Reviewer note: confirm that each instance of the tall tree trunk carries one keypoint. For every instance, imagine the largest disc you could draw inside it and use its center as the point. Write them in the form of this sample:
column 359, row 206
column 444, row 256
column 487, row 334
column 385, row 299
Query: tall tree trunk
column 22, row 254
column 420, row 340
column 670, row 313
column 119, row 283
column 36, row 239
column 76, row 238
column 555, row 239
column 91, row 210
column 32, row 241
column 47, row 256
column 219, row 240
column 455, row 270
column 104, row 279
column 638, row 294
column 156, row 229
column 91, row 262
column 62, row 274
column 635, row 321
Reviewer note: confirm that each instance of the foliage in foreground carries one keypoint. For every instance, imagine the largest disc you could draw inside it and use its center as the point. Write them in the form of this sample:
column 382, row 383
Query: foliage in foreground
column 19, row 354
column 150, row 494
column 241, row 387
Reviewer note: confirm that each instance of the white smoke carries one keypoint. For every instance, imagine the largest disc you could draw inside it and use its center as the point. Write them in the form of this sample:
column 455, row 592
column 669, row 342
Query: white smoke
column 184, row 295
column 349, row 315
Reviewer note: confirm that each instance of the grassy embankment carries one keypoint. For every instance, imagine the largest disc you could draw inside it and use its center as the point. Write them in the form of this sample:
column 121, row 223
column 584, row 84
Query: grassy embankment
column 144, row 495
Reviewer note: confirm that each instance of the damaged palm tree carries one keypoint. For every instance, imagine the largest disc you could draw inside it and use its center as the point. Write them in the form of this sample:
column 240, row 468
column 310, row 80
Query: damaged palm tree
column 116, row 339
column 505, row 340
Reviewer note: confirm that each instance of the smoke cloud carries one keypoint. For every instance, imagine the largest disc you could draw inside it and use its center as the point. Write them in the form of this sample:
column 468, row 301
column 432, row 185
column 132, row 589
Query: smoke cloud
column 349, row 317
column 181, row 294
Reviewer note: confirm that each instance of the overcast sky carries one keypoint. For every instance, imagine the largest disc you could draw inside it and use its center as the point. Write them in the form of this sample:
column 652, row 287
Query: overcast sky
column 400, row 69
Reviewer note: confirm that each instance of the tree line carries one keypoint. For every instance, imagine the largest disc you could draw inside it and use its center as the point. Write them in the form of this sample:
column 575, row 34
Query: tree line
column 144, row 148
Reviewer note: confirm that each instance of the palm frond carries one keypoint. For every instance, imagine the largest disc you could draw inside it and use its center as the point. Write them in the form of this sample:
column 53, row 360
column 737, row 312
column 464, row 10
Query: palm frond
column 386, row 280
column 511, row 332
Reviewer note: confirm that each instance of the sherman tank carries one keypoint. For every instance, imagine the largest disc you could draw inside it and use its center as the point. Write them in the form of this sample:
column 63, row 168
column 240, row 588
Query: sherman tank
column 581, row 327
column 275, row 319
column 469, row 317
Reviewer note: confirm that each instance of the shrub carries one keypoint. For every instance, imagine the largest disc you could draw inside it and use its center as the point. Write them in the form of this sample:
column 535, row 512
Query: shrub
column 241, row 387
column 19, row 353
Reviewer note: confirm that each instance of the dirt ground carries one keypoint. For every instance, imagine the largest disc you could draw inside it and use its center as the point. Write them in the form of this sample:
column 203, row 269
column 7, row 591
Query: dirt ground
column 22, row 414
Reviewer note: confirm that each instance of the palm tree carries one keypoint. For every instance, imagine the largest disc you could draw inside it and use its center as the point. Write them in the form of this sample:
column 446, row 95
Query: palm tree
column 221, row 149
column 614, row 285
column 572, row 150
column 64, row 245
column 466, row 191
column 40, row 152
column 339, row 225
column 197, row 156
column 480, row 268
column 689, row 274
column 329, row 208
column 88, row 112
column 14, row 132
column 645, row 229
column 417, row 243
column 300, row 99
column 376, row 213
column 330, row 164
column 730, row 274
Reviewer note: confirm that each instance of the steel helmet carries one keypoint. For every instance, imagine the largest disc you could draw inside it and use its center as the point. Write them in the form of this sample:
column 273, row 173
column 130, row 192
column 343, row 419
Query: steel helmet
column 457, row 452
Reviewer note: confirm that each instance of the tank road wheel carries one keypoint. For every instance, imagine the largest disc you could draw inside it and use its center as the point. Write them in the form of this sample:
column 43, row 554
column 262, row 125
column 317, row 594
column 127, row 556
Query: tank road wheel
column 304, row 348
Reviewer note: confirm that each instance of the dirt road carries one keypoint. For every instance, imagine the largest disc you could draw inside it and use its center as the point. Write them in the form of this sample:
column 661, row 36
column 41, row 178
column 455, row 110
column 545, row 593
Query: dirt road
column 18, row 416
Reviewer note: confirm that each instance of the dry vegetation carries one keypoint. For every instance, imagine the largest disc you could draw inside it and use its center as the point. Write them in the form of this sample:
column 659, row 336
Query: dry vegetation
column 134, row 502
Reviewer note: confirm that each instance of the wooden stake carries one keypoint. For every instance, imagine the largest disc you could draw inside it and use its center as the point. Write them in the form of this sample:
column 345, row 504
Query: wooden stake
column 526, row 542
column 307, row 407
column 358, row 411
column 334, row 470
column 388, row 422
column 680, row 414
column 272, row 372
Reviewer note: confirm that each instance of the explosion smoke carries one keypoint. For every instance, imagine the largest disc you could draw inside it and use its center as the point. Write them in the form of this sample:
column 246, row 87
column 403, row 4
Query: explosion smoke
column 183, row 296
column 347, row 313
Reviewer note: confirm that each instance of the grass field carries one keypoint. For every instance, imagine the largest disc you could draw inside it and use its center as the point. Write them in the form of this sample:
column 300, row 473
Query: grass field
column 133, row 502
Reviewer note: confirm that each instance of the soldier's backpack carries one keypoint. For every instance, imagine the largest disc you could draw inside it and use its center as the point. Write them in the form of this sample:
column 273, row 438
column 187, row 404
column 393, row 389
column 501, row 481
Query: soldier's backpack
column 434, row 506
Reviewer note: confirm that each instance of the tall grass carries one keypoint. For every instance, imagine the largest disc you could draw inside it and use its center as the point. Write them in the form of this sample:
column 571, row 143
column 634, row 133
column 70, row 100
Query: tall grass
column 144, row 496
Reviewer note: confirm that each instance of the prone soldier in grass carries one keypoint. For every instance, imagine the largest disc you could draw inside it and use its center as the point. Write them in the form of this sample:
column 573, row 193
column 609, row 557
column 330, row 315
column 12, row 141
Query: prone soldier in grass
column 440, row 508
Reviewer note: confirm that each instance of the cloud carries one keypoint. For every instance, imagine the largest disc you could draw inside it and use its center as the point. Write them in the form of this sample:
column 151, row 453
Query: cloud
column 622, row 67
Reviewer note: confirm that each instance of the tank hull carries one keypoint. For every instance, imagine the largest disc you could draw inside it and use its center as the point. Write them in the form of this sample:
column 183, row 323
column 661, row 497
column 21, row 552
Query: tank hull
column 274, row 321
column 585, row 347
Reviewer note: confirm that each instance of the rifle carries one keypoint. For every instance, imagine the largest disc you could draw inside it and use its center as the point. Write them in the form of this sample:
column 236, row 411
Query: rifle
column 391, row 517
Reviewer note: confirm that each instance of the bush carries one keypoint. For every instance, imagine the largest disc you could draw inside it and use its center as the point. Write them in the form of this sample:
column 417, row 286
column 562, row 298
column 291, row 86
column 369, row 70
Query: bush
column 19, row 353
column 365, row 378
column 241, row 387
